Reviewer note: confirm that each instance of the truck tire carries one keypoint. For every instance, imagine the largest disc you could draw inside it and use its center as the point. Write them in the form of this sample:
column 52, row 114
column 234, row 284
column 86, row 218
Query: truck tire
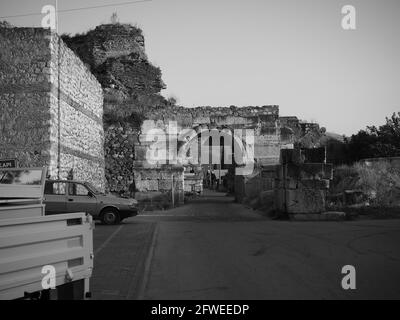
column 110, row 216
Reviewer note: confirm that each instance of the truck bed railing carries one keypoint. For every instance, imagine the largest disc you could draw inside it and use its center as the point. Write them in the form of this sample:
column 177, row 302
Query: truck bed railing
column 63, row 241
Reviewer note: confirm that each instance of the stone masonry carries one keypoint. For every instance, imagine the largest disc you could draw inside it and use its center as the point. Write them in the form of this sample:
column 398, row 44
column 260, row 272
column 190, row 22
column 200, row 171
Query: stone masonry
column 301, row 186
column 133, row 105
column 52, row 93
column 51, row 106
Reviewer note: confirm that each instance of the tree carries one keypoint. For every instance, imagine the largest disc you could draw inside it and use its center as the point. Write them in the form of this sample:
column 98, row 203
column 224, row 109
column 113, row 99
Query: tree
column 5, row 24
column 389, row 137
column 172, row 100
column 376, row 142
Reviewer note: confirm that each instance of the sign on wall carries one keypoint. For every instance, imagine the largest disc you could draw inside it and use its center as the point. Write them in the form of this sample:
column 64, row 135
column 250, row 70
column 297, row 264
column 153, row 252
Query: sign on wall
column 8, row 163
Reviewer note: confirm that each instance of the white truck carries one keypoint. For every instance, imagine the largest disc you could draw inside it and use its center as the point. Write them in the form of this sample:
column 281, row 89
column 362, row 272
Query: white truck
column 41, row 257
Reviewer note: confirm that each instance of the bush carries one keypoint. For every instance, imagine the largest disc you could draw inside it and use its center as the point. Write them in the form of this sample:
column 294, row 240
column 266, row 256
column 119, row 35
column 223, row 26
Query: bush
column 379, row 182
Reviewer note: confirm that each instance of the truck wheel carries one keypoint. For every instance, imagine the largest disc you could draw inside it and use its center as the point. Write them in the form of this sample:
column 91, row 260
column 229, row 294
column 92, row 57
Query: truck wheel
column 110, row 216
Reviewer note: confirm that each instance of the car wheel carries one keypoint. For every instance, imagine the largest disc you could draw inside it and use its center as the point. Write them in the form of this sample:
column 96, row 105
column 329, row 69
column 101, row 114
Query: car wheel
column 110, row 216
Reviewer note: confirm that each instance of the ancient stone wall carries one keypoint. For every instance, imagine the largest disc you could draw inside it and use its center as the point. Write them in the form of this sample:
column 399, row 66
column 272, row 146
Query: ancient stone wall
column 119, row 157
column 254, row 187
column 123, row 139
column 52, row 112
column 115, row 54
column 24, row 100
column 51, row 106
column 301, row 187
column 263, row 121
column 296, row 185
column 133, row 106
column 76, row 105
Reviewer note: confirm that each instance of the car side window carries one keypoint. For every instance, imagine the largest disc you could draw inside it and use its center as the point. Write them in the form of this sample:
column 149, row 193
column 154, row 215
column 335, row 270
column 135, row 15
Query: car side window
column 55, row 188
column 77, row 189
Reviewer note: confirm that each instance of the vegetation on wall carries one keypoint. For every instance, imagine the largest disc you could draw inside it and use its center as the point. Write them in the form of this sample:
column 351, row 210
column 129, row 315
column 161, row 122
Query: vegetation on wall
column 115, row 54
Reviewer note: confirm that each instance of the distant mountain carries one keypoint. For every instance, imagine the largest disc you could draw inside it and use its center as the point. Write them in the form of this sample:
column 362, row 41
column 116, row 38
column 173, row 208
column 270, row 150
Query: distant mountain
column 335, row 136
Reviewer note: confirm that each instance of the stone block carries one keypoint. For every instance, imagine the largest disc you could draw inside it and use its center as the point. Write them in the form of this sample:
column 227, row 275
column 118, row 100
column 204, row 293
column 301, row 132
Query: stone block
column 279, row 172
column 291, row 156
column 201, row 120
column 147, row 185
column 148, row 195
column 225, row 120
column 141, row 185
column 269, row 172
column 150, row 174
column 309, row 171
column 267, row 199
column 266, row 150
column 166, row 174
column 165, row 185
column 153, row 185
column 305, row 201
column 279, row 195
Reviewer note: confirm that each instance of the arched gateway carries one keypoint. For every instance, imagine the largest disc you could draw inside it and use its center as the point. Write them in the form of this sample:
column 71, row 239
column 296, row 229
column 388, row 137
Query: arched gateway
column 236, row 140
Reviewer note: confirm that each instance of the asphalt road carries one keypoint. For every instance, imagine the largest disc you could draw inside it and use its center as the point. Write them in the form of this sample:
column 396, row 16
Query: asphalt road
column 213, row 248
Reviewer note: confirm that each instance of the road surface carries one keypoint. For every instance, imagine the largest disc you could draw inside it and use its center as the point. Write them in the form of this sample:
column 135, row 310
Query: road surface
column 213, row 248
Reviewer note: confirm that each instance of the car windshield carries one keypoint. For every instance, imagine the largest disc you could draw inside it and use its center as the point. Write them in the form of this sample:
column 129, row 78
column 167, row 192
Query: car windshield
column 93, row 188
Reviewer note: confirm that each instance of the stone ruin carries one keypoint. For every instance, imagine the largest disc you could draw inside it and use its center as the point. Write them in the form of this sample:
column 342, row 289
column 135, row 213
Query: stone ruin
column 115, row 53
column 110, row 96
column 302, row 182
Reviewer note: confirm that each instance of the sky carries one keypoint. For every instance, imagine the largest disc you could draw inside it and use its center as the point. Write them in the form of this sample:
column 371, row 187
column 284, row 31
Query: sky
column 291, row 53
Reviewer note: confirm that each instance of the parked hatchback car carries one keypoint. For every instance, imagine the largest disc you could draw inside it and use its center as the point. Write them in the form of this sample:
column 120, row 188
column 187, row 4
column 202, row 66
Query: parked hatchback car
column 64, row 196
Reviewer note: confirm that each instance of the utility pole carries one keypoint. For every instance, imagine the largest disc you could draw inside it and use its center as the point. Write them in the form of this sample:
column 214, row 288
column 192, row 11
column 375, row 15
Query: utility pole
column 173, row 191
column 210, row 177
column 57, row 16
column 58, row 95
column 219, row 176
